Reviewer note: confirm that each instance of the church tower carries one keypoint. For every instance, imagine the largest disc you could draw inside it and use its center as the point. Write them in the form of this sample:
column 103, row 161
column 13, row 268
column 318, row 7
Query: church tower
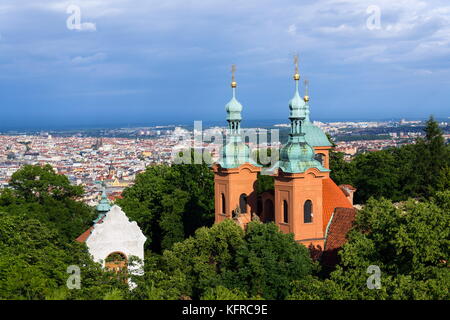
column 236, row 173
column 299, row 182
column 315, row 137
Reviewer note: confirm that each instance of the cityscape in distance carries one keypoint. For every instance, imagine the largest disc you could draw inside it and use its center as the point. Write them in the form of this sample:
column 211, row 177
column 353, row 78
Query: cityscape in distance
column 115, row 156
column 224, row 159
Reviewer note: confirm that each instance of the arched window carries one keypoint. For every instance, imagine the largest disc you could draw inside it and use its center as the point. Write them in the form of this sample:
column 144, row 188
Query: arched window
column 223, row 204
column 243, row 203
column 259, row 206
column 307, row 211
column 285, row 212
column 116, row 261
column 268, row 211
column 320, row 157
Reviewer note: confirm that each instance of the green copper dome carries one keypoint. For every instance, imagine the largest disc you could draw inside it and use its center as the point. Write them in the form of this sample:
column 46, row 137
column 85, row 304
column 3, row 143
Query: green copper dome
column 236, row 152
column 297, row 155
column 104, row 205
column 234, row 109
column 313, row 134
column 296, row 105
column 296, row 151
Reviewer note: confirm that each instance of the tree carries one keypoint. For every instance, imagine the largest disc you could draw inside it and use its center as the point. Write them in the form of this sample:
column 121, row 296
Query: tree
column 342, row 172
column 269, row 260
column 264, row 183
column 432, row 157
column 409, row 243
column 36, row 183
column 417, row 170
column 224, row 261
column 208, row 259
column 170, row 202
column 39, row 193
column 377, row 176
column 223, row 293
column 34, row 262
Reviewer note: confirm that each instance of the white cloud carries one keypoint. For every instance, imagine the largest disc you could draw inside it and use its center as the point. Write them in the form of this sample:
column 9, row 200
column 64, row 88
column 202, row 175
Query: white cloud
column 332, row 30
column 89, row 59
column 292, row 29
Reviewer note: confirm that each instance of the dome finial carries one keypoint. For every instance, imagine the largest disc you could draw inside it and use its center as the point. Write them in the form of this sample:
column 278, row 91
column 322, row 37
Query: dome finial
column 306, row 97
column 297, row 74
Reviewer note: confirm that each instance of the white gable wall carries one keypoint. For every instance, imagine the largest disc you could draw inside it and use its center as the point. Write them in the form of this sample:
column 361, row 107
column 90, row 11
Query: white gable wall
column 116, row 233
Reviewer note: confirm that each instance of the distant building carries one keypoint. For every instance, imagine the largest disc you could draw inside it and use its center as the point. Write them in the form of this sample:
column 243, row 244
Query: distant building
column 305, row 200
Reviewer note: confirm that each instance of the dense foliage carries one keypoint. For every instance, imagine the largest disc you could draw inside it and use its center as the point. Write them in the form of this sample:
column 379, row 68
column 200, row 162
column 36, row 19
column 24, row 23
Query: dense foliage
column 225, row 261
column 38, row 192
column 417, row 170
column 35, row 260
column 409, row 243
column 170, row 202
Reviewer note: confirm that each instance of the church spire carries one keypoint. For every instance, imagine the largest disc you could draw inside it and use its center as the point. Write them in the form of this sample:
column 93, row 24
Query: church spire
column 296, row 104
column 297, row 74
column 306, row 97
column 235, row 152
column 233, row 80
column 306, row 104
column 104, row 206
column 234, row 108
column 297, row 155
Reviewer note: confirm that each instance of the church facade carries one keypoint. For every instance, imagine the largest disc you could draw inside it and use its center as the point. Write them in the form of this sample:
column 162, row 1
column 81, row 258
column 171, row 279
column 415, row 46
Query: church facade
column 305, row 200
column 113, row 239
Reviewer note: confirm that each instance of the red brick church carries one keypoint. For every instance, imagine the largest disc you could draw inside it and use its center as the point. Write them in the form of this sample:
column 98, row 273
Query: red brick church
column 305, row 200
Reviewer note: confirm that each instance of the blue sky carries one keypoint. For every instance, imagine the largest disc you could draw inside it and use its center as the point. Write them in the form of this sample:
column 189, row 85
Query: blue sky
column 149, row 61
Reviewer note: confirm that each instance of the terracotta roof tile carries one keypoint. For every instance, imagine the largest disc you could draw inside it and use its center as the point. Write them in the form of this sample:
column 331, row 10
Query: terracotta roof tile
column 332, row 197
column 341, row 224
column 348, row 186
column 83, row 237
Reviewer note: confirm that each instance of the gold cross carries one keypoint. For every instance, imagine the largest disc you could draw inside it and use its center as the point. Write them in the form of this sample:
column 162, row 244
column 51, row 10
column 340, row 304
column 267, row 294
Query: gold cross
column 296, row 62
column 233, row 71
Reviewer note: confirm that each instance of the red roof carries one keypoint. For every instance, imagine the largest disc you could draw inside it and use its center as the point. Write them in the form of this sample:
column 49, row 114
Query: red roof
column 333, row 197
column 341, row 224
column 348, row 186
column 83, row 237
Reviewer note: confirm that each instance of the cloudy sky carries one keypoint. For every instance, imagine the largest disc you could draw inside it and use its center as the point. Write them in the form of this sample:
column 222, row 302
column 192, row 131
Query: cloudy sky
column 134, row 61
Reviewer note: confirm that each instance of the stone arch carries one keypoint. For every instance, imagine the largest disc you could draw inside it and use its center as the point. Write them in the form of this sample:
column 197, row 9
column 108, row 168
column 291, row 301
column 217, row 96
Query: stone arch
column 308, row 211
column 116, row 261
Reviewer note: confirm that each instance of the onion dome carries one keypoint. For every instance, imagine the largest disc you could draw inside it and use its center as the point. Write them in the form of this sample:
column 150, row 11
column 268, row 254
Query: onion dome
column 235, row 152
column 104, row 205
column 298, row 155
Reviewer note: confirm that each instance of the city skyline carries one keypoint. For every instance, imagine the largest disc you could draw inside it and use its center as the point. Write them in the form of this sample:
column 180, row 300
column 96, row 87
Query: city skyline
column 158, row 63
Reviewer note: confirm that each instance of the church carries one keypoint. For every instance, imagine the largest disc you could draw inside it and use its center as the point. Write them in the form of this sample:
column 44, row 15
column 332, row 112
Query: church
column 113, row 239
column 305, row 201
